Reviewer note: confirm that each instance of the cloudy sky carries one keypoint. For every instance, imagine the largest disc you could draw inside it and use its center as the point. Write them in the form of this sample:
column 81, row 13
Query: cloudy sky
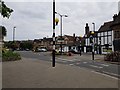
column 33, row 20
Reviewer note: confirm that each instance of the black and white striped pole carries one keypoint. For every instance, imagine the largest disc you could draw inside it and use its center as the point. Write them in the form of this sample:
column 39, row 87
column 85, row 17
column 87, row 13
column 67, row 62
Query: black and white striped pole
column 53, row 51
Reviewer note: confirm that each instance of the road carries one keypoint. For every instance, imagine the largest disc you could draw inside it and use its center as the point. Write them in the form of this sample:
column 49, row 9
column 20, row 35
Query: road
column 86, row 62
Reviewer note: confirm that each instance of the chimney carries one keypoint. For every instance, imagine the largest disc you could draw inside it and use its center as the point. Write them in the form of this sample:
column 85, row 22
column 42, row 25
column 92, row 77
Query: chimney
column 114, row 17
column 74, row 35
column 86, row 29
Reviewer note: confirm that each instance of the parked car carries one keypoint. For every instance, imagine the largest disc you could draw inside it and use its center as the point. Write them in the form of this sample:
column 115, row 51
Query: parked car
column 27, row 49
column 44, row 50
column 41, row 50
column 73, row 51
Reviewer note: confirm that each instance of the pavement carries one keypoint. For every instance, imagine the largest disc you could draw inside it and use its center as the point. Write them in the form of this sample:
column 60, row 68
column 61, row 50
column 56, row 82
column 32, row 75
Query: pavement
column 88, row 56
column 33, row 73
column 84, row 56
column 0, row 75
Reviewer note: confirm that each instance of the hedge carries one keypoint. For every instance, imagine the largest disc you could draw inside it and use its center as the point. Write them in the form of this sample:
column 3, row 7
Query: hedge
column 10, row 56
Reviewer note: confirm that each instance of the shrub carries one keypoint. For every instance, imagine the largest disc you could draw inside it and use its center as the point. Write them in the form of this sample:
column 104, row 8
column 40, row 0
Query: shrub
column 10, row 56
column 113, row 57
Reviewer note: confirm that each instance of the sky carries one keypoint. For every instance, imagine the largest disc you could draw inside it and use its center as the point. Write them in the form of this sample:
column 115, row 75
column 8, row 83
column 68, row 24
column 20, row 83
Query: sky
column 33, row 19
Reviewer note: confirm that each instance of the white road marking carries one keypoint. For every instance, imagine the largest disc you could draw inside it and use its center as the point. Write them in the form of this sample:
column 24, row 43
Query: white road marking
column 95, row 66
column 104, row 75
column 100, row 67
column 84, row 62
column 71, row 64
column 64, row 59
column 105, row 65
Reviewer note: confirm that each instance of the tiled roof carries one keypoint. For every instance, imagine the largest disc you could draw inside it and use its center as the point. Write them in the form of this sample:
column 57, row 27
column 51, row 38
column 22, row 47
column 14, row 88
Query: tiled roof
column 106, row 26
column 71, row 38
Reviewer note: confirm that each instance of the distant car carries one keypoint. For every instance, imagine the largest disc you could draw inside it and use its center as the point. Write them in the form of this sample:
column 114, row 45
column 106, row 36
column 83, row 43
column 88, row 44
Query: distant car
column 44, row 50
column 27, row 49
column 62, row 51
column 41, row 50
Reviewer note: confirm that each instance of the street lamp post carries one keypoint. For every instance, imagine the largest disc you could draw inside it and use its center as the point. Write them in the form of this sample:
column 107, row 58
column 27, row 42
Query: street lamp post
column 14, row 37
column 92, row 39
column 61, row 28
column 93, row 34
column 99, row 45
column 80, row 45
column 14, row 33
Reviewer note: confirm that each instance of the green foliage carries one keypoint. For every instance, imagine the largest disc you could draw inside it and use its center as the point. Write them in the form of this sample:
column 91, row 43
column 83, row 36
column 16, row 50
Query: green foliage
column 8, row 44
column 113, row 57
column 4, row 10
column 11, row 45
column 10, row 56
column 26, row 45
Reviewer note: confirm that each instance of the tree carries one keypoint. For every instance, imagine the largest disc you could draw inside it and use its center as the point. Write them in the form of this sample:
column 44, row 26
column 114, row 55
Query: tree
column 4, row 10
column 26, row 45
column 2, row 31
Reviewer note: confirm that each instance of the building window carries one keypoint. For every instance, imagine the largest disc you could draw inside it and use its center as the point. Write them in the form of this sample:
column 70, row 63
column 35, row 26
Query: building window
column 102, row 34
column 109, row 33
column 99, row 34
column 102, row 40
column 105, row 40
column 105, row 33
column 110, row 40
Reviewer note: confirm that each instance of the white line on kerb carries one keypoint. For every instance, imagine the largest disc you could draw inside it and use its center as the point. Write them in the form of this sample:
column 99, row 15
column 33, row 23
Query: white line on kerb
column 104, row 75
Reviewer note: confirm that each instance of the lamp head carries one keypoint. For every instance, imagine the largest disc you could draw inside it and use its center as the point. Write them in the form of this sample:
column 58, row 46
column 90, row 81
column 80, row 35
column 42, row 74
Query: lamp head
column 92, row 33
column 56, row 21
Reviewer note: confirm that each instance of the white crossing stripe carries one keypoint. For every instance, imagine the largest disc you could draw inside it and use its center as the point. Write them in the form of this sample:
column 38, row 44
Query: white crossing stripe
column 64, row 59
column 105, row 65
column 95, row 66
column 84, row 62
column 71, row 64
